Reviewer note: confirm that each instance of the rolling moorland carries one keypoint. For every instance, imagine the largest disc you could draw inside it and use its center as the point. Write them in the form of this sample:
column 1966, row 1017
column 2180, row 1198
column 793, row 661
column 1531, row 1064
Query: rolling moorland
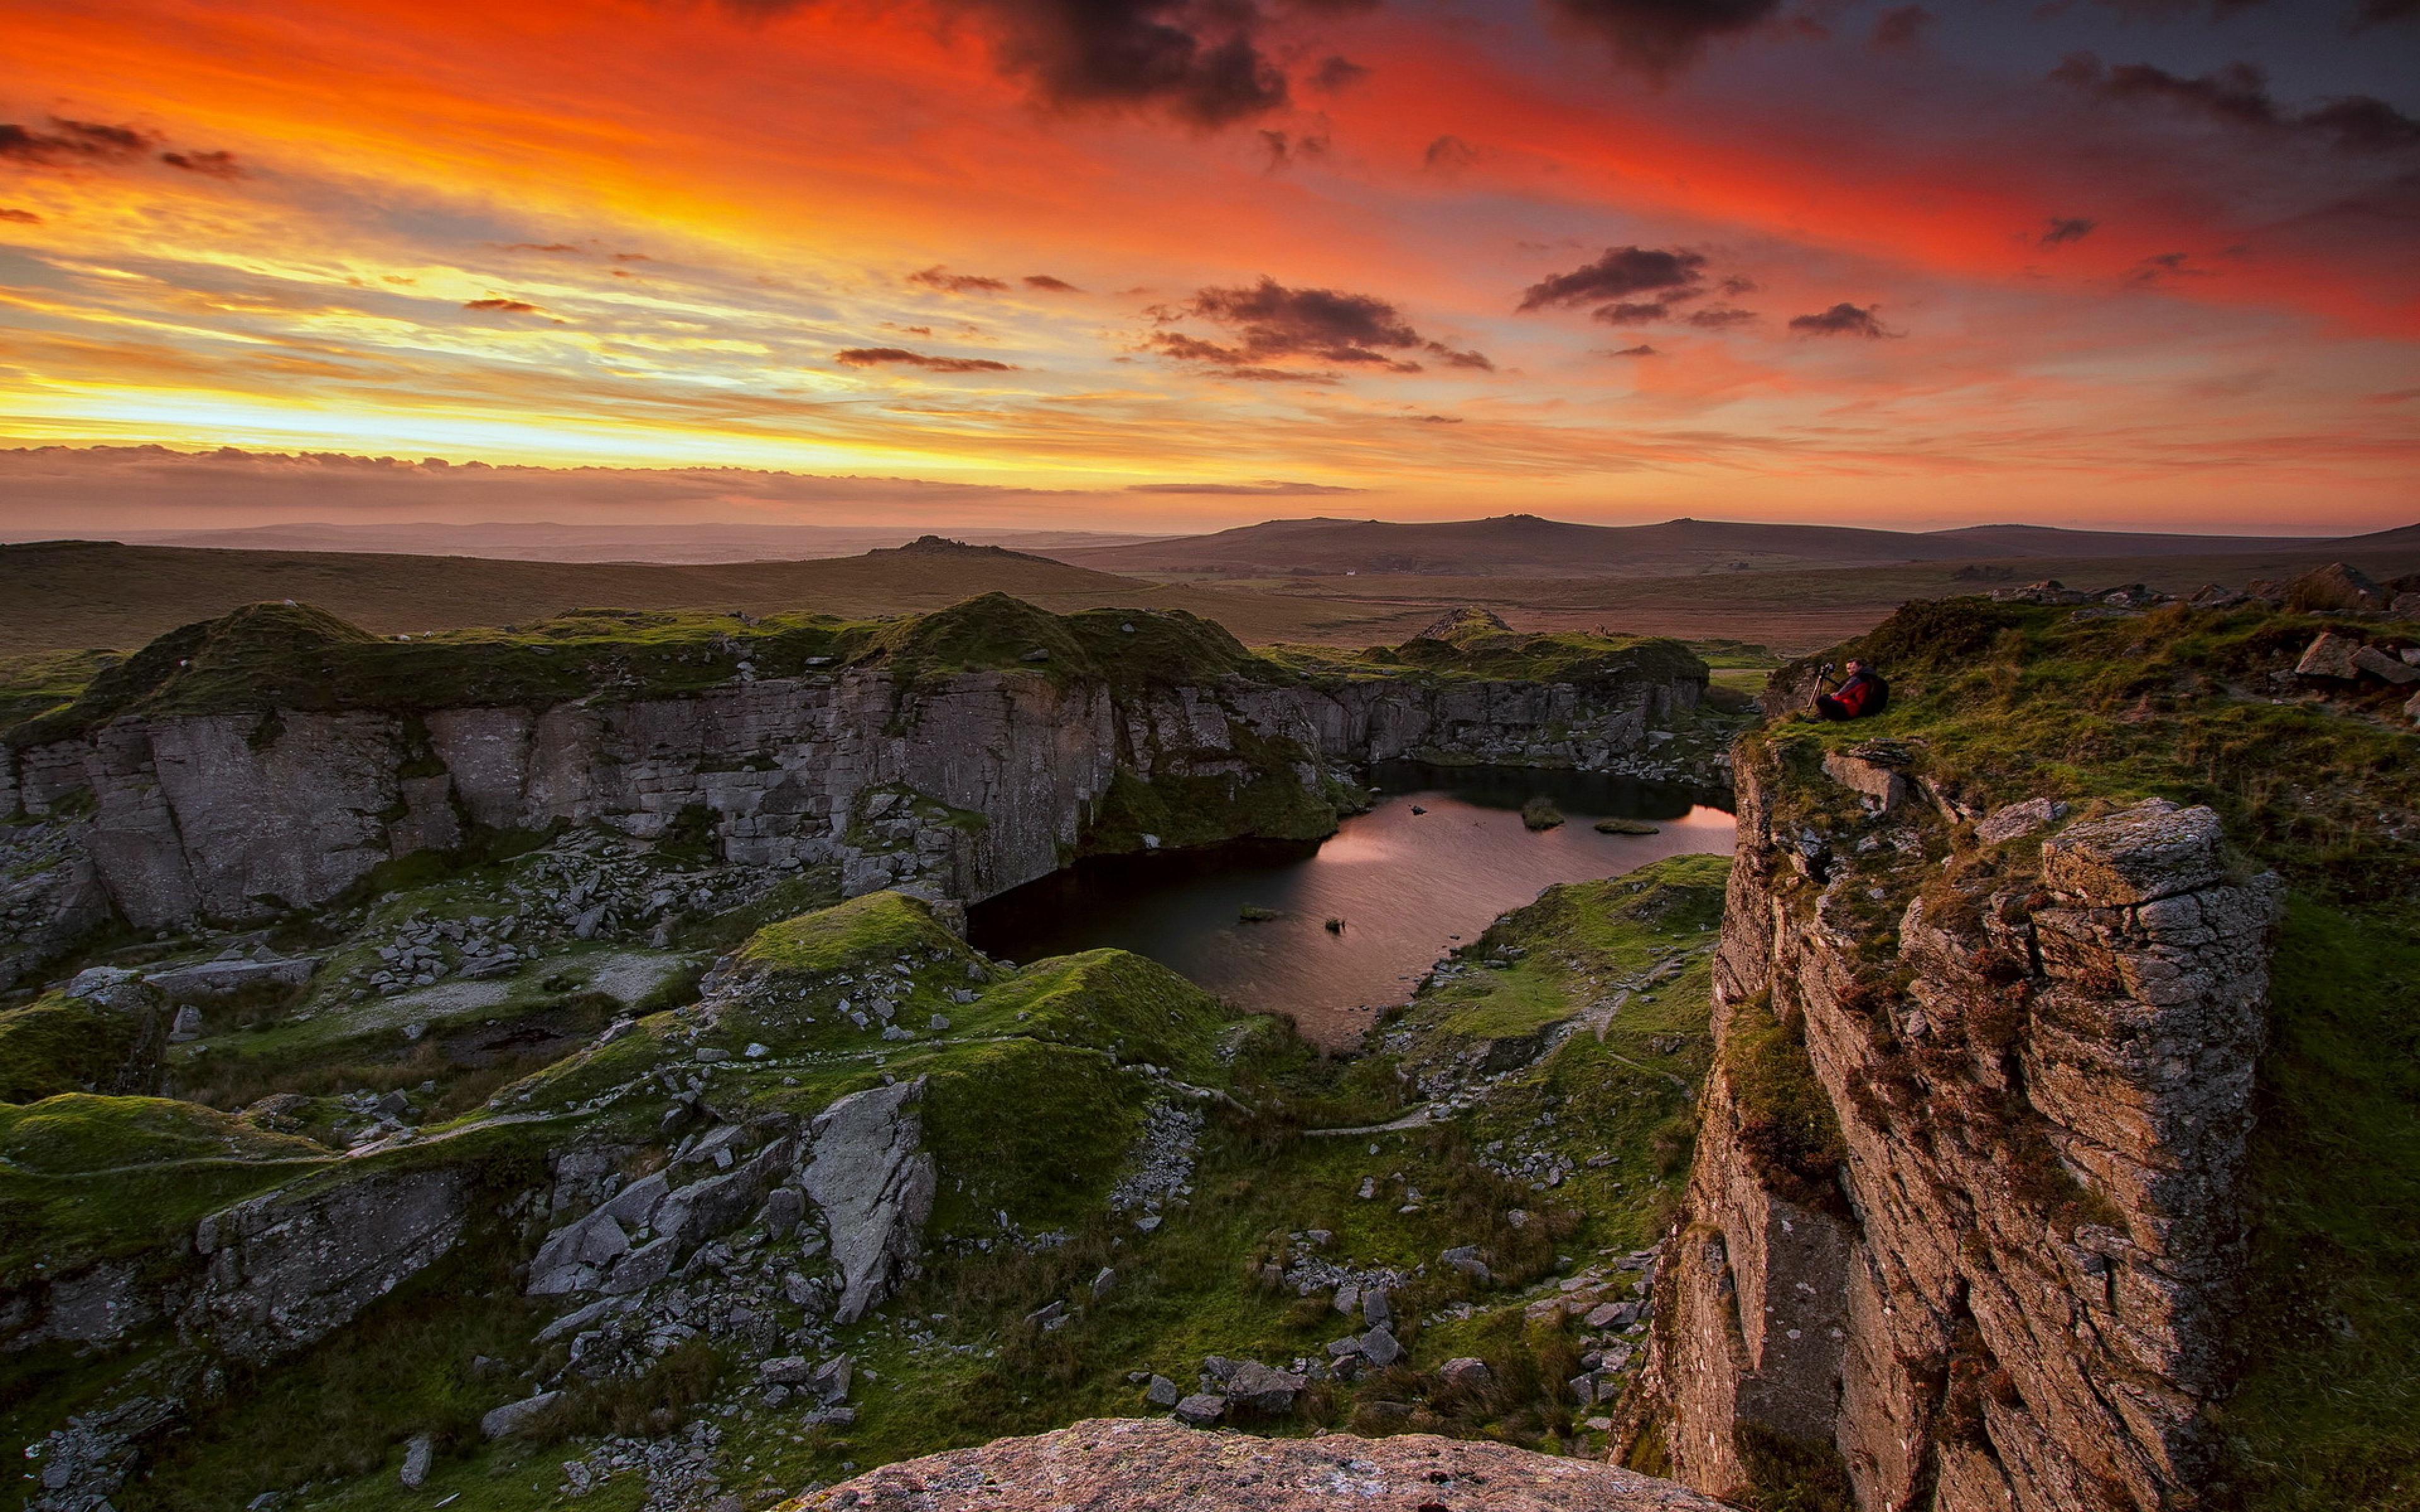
column 537, row 1066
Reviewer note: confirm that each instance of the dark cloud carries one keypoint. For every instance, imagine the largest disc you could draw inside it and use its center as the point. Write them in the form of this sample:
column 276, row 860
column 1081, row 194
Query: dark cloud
column 1266, row 485
column 1440, row 420
column 1720, row 319
column 1902, row 28
column 1659, row 37
column 1448, row 154
column 2379, row 12
column 20, row 217
column 563, row 249
column 1642, row 349
column 1202, row 61
column 67, row 143
column 1842, row 320
column 1049, row 285
column 949, row 283
column 2166, row 265
column 1271, row 321
column 2238, row 95
column 1622, row 271
column 1736, row 285
column 504, row 306
column 2066, row 228
column 878, row 356
column 1450, row 358
column 1283, row 147
column 1335, row 73
column 1632, row 313
column 209, row 164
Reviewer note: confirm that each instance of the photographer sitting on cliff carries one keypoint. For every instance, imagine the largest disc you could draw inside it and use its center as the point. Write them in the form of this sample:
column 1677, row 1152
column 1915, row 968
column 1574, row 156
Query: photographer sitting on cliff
column 1861, row 696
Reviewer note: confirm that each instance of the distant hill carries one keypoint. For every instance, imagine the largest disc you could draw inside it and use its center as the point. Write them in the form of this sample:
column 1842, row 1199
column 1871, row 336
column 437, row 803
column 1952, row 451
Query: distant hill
column 93, row 595
column 1526, row 546
column 2051, row 541
column 706, row 541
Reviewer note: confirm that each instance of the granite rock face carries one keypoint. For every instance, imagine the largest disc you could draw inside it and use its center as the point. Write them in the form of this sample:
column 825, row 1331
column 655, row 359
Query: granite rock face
column 1129, row 1465
column 2012, row 1293
column 239, row 816
column 287, row 1269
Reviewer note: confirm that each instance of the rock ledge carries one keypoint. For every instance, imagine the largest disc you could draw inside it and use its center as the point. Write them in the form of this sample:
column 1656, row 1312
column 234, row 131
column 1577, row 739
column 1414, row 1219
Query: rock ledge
column 1153, row 1465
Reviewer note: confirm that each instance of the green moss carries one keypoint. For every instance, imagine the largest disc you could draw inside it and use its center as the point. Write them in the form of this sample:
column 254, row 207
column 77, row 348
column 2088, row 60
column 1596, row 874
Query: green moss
column 79, row 1134
column 1786, row 1124
column 1033, row 1130
column 57, row 1043
column 2328, row 1411
column 1111, row 1000
column 864, row 932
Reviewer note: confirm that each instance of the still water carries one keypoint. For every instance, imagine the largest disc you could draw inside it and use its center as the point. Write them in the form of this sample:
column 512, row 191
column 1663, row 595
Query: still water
column 1406, row 885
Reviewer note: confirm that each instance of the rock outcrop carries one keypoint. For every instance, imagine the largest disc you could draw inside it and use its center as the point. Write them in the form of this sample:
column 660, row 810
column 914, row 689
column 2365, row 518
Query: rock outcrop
column 1127, row 1465
column 962, row 784
column 1961, row 1224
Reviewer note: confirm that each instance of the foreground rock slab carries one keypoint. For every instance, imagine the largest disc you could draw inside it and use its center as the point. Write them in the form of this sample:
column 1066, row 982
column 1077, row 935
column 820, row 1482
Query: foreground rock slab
column 1131, row 1465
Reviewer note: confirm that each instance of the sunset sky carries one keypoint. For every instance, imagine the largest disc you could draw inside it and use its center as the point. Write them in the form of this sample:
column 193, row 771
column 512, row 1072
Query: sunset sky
column 2151, row 263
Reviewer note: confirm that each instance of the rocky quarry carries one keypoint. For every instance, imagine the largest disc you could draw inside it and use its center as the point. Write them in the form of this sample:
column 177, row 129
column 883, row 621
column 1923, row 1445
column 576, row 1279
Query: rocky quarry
column 545, row 1069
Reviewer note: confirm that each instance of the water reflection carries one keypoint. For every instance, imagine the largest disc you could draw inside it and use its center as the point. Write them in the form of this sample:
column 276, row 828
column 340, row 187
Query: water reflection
column 1404, row 883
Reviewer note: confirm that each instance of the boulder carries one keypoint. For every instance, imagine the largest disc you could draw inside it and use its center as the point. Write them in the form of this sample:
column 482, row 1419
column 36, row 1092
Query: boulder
column 2019, row 819
column 2136, row 855
column 1376, row 1307
column 831, row 1380
column 1886, row 788
column 1265, row 1388
column 2210, row 595
column 514, row 1416
column 2381, row 665
column 785, row 1370
column 2334, row 588
column 1380, row 1347
column 222, row 981
column 2330, row 655
column 2406, row 605
column 1201, row 1409
column 875, row 1186
column 1162, row 1392
column 286, row 1268
column 419, row 1452
column 1464, row 1258
column 1468, row 1373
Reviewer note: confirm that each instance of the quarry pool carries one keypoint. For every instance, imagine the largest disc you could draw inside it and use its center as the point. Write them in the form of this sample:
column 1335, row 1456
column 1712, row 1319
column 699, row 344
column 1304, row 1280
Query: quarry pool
column 1408, row 885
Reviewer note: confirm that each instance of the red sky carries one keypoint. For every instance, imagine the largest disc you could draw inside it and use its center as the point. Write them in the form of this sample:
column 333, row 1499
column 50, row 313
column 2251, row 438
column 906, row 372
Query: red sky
column 1601, row 259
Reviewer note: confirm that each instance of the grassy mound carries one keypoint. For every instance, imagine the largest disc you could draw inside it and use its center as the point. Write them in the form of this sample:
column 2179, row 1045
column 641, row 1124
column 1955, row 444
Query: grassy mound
column 57, row 1043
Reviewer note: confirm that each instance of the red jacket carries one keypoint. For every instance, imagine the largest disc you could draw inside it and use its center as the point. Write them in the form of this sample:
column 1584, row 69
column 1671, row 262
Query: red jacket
column 1855, row 694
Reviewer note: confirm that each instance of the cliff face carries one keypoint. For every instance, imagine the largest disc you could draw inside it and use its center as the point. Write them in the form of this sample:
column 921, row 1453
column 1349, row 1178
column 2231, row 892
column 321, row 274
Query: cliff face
column 960, row 785
column 1962, row 1230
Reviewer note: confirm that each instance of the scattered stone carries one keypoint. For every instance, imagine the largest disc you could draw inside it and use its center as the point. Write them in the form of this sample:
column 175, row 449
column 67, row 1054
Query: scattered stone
column 1466, row 1372
column 2019, row 819
column 419, row 1452
column 831, row 1380
column 1162, row 1392
column 2378, row 664
column 1264, row 1388
column 2334, row 588
column 1380, row 1347
column 2330, row 655
column 1885, row 787
column 514, row 1416
column 1201, row 1409
column 1464, row 1258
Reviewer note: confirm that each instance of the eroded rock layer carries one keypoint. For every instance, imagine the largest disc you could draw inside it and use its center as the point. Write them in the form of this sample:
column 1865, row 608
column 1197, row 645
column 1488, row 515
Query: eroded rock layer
column 1962, row 1232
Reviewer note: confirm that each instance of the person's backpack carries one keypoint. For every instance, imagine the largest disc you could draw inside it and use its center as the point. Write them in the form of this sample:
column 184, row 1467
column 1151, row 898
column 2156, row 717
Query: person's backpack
column 1879, row 699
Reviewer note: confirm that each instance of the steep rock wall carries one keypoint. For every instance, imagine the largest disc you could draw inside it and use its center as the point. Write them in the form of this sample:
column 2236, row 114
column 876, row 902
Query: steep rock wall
column 1990, row 1270
column 239, row 816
